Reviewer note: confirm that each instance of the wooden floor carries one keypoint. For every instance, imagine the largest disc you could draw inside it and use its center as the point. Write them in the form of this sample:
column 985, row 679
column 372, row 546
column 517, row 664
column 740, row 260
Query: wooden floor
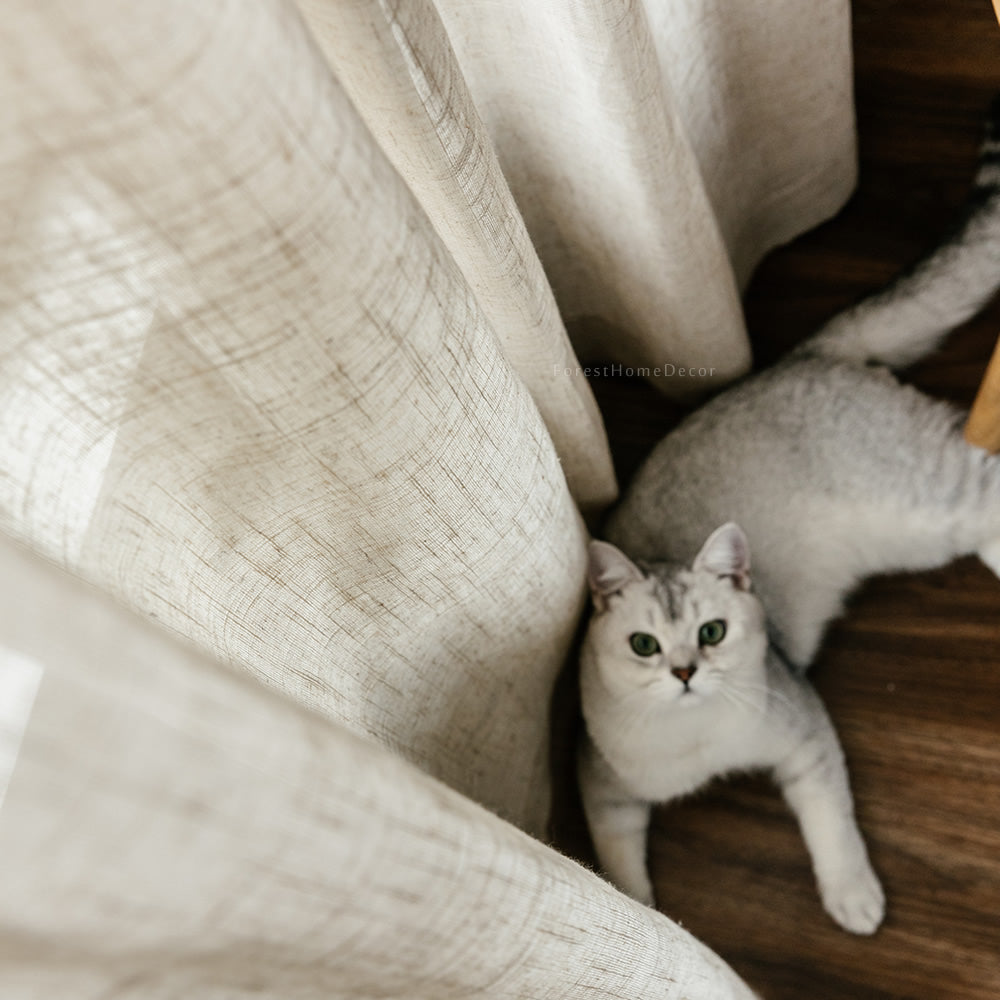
column 912, row 675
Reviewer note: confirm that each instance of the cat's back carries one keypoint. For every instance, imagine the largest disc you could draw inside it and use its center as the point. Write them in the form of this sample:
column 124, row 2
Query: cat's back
column 781, row 449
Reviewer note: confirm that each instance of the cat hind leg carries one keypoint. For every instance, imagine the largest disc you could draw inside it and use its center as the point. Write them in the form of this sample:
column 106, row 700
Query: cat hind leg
column 799, row 617
column 990, row 555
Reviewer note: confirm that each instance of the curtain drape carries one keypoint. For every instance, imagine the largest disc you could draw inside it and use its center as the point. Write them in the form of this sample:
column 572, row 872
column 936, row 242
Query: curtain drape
column 284, row 370
column 198, row 836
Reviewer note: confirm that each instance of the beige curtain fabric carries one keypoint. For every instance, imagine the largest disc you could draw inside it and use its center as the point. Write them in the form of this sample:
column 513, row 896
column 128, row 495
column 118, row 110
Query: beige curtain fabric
column 680, row 141
column 283, row 369
column 246, row 389
column 202, row 837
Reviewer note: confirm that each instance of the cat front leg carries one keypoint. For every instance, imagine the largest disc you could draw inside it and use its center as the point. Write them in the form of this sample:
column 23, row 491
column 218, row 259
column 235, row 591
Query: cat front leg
column 813, row 779
column 619, row 828
column 619, row 831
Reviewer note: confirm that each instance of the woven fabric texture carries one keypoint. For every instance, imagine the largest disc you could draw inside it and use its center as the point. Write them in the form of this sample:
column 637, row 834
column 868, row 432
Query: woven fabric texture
column 204, row 837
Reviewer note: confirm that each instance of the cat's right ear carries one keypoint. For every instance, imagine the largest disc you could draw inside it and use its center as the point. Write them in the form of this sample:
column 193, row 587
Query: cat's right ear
column 726, row 553
column 608, row 570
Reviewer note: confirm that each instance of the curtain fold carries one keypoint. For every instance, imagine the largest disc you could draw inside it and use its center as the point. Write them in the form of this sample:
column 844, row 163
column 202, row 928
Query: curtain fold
column 247, row 390
column 283, row 368
column 765, row 96
column 225, row 843
column 657, row 150
column 397, row 65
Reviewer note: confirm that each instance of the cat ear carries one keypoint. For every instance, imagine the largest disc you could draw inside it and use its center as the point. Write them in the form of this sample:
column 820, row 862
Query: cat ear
column 608, row 570
column 726, row 553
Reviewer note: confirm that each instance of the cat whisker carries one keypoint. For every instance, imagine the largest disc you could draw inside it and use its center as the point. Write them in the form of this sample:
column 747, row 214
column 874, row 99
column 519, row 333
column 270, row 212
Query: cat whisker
column 749, row 686
column 735, row 696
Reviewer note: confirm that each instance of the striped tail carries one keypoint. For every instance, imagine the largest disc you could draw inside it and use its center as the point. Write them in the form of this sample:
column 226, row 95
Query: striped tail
column 911, row 317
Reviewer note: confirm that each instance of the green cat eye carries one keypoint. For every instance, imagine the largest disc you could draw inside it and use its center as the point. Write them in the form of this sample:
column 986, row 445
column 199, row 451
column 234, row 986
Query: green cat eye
column 712, row 633
column 643, row 644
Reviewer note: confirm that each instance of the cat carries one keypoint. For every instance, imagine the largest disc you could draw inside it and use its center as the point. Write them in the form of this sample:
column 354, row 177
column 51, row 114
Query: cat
column 834, row 471
column 680, row 683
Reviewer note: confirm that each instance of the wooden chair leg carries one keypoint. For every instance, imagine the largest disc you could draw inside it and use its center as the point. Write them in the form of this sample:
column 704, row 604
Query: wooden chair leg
column 983, row 426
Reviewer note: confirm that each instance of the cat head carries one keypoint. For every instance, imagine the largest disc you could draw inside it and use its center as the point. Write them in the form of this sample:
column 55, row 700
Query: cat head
column 683, row 634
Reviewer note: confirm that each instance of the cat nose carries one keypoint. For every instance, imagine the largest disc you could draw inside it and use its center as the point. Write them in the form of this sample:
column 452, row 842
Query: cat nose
column 684, row 673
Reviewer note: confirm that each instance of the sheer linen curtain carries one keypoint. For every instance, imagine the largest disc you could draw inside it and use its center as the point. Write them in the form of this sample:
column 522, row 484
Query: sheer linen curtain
column 293, row 450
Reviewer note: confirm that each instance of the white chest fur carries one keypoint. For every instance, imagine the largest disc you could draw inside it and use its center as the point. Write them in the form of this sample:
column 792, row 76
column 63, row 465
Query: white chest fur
column 660, row 753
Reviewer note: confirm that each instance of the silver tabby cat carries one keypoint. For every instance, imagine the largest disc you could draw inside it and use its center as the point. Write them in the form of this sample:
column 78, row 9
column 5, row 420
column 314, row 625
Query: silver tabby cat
column 834, row 472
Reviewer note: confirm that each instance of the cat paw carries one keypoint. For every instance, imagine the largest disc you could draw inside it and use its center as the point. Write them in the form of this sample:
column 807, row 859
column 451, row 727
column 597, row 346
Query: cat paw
column 856, row 903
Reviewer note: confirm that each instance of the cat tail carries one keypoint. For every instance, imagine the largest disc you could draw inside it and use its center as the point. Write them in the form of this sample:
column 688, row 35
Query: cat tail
column 908, row 319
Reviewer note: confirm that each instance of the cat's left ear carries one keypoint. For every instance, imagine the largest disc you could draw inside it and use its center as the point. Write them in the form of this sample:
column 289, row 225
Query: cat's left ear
column 726, row 553
column 608, row 570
